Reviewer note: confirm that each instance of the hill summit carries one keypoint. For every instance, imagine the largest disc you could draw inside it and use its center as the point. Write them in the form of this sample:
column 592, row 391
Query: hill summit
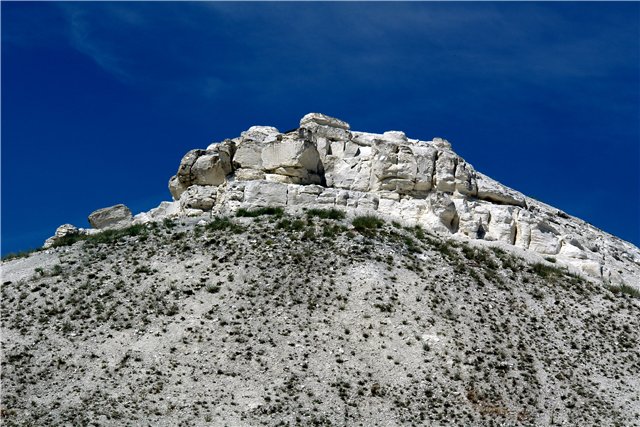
column 324, row 277
column 324, row 164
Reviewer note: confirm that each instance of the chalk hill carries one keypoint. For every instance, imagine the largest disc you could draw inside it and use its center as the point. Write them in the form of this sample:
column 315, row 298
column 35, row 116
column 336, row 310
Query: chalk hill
column 324, row 276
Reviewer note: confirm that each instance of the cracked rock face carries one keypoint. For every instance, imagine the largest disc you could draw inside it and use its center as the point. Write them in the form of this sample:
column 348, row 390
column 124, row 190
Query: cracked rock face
column 324, row 163
column 416, row 182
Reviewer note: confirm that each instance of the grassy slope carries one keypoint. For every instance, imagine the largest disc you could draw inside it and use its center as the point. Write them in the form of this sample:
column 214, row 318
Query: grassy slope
column 276, row 320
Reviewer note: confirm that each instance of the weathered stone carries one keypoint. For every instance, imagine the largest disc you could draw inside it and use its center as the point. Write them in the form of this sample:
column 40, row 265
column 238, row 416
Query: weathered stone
column 323, row 120
column 117, row 216
column 176, row 188
column 211, row 169
column 248, row 155
column 263, row 193
column 184, row 173
column 261, row 134
column 199, row 197
column 63, row 231
column 249, row 174
column 416, row 182
column 291, row 153
column 493, row 191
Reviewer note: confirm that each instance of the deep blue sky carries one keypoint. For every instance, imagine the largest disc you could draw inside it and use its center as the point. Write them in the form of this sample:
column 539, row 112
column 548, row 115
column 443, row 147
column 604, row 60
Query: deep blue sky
column 101, row 100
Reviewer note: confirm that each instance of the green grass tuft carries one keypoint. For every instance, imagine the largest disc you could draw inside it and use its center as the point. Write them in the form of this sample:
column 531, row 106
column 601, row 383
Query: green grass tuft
column 367, row 224
column 242, row 212
column 21, row 254
column 224, row 223
column 326, row 214
column 625, row 289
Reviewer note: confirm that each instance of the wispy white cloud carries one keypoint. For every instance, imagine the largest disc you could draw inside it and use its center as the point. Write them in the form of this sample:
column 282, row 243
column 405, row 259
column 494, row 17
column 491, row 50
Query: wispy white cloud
column 82, row 39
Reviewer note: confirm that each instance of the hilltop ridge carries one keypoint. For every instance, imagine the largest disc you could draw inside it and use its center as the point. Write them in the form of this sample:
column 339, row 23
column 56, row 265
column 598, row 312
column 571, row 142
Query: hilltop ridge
column 324, row 277
column 323, row 163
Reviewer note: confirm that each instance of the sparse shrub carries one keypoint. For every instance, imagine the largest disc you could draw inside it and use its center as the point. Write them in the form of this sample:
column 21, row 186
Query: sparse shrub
column 309, row 234
column 272, row 211
column 444, row 248
column 326, row 213
column 333, row 230
column 224, row 223
column 56, row 270
column 290, row 225
column 213, row 289
column 625, row 289
column 68, row 240
column 481, row 256
column 546, row 271
column 367, row 224
column 172, row 310
column 411, row 245
column 107, row 236
column 21, row 254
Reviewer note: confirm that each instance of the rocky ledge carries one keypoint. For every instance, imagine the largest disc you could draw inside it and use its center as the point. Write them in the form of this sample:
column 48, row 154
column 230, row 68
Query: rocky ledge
column 323, row 163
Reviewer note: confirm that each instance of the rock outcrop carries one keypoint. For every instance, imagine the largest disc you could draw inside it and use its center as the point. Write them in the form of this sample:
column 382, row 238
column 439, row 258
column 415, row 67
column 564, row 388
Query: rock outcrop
column 117, row 216
column 418, row 183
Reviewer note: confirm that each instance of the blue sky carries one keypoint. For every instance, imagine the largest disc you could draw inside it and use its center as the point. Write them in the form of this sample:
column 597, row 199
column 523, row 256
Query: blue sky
column 101, row 100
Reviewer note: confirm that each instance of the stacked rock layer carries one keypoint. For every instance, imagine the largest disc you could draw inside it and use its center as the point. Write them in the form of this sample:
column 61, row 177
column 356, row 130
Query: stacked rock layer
column 325, row 164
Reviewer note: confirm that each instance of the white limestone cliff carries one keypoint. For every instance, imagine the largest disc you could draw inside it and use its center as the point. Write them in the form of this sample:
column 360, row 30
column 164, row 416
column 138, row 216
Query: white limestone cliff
column 325, row 164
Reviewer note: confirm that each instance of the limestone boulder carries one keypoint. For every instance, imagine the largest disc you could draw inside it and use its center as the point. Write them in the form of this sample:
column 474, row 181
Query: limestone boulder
column 348, row 173
column 544, row 239
column 264, row 193
column 199, row 197
column 118, row 216
column 249, row 155
column 290, row 153
column 61, row 232
column 176, row 187
column 293, row 158
column 394, row 168
column 502, row 225
column 425, row 158
column 184, row 174
column 395, row 136
column 165, row 210
column 440, row 214
column 465, row 179
column 211, row 169
column 315, row 119
column 248, row 174
column 261, row 134
column 492, row 191
column 444, row 177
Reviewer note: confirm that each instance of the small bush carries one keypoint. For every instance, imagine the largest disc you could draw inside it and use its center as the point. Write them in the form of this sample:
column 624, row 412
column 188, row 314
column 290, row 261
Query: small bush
column 172, row 310
column 444, row 247
column 21, row 254
column 290, row 225
column 213, row 289
column 111, row 236
column 242, row 212
column 625, row 289
column 326, row 213
column 223, row 223
column 367, row 223
column 333, row 230
column 546, row 271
